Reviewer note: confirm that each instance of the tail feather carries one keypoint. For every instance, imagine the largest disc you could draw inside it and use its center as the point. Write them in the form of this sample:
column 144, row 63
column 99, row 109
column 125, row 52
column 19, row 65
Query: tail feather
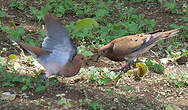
column 171, row 33
column 34, row 51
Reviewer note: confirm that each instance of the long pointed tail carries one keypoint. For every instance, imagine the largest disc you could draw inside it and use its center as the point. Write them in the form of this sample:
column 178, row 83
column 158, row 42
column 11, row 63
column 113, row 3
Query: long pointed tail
column 171, row 33
column 34, row 51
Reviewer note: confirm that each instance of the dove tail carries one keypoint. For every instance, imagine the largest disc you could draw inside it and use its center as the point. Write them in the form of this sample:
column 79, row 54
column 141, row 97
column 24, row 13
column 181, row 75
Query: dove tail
column 22, row 46
column 34, row 51
column 171, row 33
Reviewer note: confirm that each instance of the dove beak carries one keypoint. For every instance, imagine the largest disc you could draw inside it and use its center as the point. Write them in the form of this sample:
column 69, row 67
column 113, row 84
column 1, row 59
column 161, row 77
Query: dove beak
column 99, row 55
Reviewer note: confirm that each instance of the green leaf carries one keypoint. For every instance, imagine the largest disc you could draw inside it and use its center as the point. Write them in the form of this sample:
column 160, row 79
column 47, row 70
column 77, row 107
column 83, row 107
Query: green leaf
column 107, row 80
column 180, row 84
column 2, row 14
column 12, row 57
column 94, row 105
column 149, row 64
column 13, row 24
column 20, row 30
column 174, row 26
column 60, row 95
column 86, row 23
column 24, row 87
column 158, row 68
column 128, row 88
column 82, row 50
column 40, row 88
column 62, row 101
column 132, row 27
column 117, row 78
column 101, row 12
column 2, row 59
column 16, row 65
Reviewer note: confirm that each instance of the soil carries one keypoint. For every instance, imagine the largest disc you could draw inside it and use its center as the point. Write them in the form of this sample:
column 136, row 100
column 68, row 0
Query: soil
column 152, row 92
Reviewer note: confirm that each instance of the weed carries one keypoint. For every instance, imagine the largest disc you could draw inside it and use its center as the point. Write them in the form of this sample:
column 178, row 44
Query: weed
column 172, row 6
column 39, row 14
column 13, row 32
column 2, row 14
column 179, row 80
column 19, row 4
column 63, row 100
column 93, row 105
column 61, row 7
column 155, row 67
column 82, row 50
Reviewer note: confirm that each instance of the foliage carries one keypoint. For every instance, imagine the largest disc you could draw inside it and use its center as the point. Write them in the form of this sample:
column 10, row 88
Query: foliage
column 155, row 67
column 2, row 14
column 63, row 100
column 39, row 14
column 179, row 80
column 93, row 105
column 82, row 50
column 19, row 4
column 86, row 23
column 13, row 32
column 172, row 6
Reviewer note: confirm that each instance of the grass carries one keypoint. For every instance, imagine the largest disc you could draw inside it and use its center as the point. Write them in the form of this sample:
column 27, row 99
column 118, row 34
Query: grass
column 96, row 23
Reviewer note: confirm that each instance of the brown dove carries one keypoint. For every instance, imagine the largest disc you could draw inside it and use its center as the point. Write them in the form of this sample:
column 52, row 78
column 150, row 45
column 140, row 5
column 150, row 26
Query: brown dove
column 130, row 47
column 58, row 54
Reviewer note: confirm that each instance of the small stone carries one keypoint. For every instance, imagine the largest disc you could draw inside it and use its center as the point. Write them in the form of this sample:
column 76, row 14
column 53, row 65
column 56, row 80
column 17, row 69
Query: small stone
column 7, row 96
column 162, row 93
column 164, row 60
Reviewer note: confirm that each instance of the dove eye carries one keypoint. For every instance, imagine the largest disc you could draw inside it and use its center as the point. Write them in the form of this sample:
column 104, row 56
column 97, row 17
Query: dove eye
column 82, row 58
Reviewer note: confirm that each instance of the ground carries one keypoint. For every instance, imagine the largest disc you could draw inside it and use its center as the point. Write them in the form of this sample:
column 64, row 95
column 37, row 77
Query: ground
column 152, row 92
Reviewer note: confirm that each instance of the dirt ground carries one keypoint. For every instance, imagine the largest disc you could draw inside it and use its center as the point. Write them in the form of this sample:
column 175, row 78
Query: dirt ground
column 152, row 92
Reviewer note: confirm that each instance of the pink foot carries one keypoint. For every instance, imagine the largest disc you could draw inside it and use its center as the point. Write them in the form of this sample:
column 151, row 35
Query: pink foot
column 125, row 68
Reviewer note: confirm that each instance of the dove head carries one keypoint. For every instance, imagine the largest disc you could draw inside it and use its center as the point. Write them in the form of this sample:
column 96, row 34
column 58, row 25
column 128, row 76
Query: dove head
column 72, row 68
column 80, row 58
column 104, row 50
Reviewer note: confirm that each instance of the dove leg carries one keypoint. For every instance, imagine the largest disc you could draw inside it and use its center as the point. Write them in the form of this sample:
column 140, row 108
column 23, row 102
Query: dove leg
column 46, row 77
column 126, row 67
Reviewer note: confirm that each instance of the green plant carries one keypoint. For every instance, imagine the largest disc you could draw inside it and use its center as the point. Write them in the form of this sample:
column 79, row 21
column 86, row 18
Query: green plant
column 86, row 23
column 13, row 32
column 102, row 9
column 179, row 80
column 99, row 75
column 82, row 50
column 172, row 6
column 19, row 4
column 61, row 7
column 93, row 105
column 63, row 100
column 2, row 14
column 39, row 14
column 155, row 67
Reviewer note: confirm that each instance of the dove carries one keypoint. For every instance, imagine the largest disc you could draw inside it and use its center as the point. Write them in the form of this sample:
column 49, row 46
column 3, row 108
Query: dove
column 58, row 54
column 128, row 48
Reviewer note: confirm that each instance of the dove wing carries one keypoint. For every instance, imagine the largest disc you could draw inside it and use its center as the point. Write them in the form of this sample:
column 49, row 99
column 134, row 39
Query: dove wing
column 57, row 39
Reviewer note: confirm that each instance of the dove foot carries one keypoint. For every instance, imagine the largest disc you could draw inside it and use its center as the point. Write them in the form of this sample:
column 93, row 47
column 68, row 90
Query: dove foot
column 137, row 79
column 125, row 68
column 46, row 78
